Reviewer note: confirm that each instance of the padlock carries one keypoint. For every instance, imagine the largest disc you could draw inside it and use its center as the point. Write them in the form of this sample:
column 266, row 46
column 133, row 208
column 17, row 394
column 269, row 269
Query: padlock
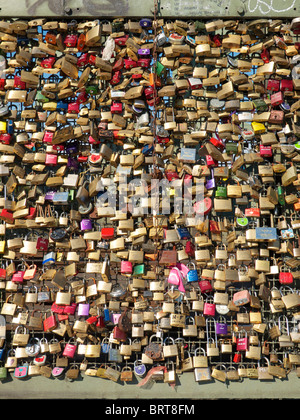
column 33, row 347
column 192, row 274
column 139, row 368
column 242, row 342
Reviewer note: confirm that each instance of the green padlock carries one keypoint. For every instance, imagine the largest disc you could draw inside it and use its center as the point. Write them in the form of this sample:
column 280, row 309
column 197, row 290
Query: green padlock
column 231, row 147
column 159, row 68
column 221, row 192
column 39, row 97
column 260, row 105
column 92, row 89
column 139, row 269
column 280, row 193
column 71, row 195
column 3, row 372
column 242, row 221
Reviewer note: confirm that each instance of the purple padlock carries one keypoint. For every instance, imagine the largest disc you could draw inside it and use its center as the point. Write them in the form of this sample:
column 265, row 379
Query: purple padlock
column 143, row 51
column 221, row 328
column 71, row 148
column 72, row 163
column 49, row 195
column 83, row 309
column 210, row 183
column 86, row 224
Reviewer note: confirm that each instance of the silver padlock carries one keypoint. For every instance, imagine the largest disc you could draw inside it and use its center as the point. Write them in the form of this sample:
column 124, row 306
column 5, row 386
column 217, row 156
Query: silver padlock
column 33, row 347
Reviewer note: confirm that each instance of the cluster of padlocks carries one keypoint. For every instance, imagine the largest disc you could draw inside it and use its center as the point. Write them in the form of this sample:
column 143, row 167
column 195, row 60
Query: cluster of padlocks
column 149, row 199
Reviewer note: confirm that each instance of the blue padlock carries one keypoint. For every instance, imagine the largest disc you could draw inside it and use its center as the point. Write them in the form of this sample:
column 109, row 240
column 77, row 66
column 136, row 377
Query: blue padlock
column 10, row 127
column 192, row 274
column 2, row 351
column 145, row 23
column 183, row 233
column 106, row 314
column 105, row 345
column 139, row 368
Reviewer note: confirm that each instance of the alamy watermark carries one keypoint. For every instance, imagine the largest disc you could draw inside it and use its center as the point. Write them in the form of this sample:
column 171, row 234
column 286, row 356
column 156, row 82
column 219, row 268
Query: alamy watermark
column 157, row 197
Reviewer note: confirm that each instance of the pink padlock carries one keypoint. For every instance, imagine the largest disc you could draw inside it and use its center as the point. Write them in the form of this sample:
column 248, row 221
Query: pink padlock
column 18, row 276
column 83, row 309
column 70, row 349
column 242, row 342
column 265, row 151
column 126, row 267
column 48, row 136
column 21, row 371
column 50, row 159
column 176, row 278
column 115, row 318
column 209, row 309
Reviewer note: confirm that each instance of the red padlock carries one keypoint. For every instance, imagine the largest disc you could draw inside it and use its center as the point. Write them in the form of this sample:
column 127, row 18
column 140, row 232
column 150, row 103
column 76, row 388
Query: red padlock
column 73, row 108
column 118, row 334
column 265, row 55
column 286, row 85
column 2, row 273
column 81, row 42
column 276, row 98
column 190, row 249
column 48, row 136
column 126, row 267
column 252, row 212
column 265, row 151
column 203, row 206
column 286, row 277
column 116, row 107
column 81, row 98
column 57, row 309
column 121, row 41
column 118, row 65
column 107, row 233
column 32, row 213
column 273, row 85
column 217, row 40
column 217, row 143
column 7, row 216
column 70, row 41
column 50, row 38
column 42, row 244
column 116, row 77
column 70, row 349
column 237, row 357
column 83, row 60
column 18, row 276
column 205, row 286
column 92, row 319
column 50, row 323
column 129, row 63
column 143, row 62
column 70, row 309
column 48, row 63
column 100, row 323
column 18, row 83
column 210, row 161
column 5, row 138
